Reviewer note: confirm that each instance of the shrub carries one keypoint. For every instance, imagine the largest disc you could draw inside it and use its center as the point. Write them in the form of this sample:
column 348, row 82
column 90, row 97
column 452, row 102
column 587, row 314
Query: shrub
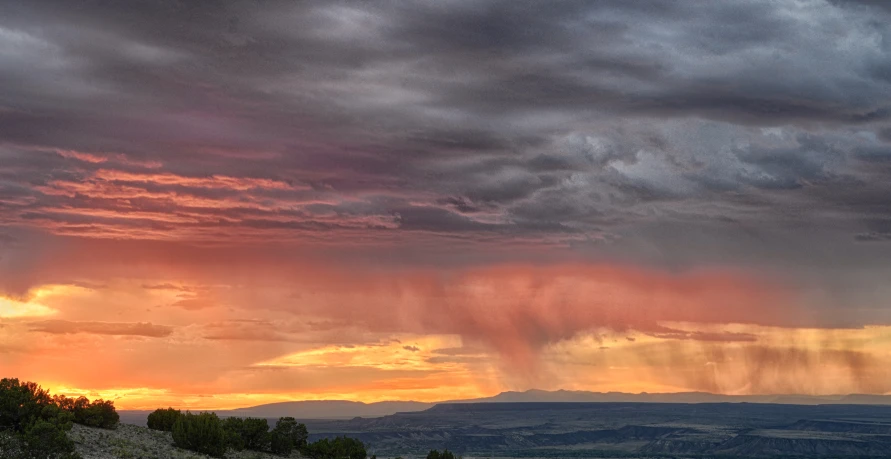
column 250, row 433
column 445, row 454
column 202, row 433
column 100, row 413
column 20, row 403
column 33, row 422
column 163, row 419
column 47, row 439
column 256, row 434
column 287, row 435
column 232, row 428
column 337, row 448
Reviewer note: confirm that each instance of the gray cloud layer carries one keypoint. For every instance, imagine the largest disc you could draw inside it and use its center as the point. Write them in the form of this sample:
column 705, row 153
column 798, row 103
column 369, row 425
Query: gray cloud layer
column 668, row 132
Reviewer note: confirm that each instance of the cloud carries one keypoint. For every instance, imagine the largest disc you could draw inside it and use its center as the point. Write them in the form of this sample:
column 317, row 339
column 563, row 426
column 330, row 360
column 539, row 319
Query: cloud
column 703, row 336
column 553, row 139
column 873, row 237
column 10, row 308
column 509, row 173
column 411, row 348
column 193, row 304
column 102, row 328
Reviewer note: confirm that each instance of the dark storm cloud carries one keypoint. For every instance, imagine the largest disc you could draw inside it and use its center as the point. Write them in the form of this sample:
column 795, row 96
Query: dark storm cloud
column 878, row 5
column 586, row 123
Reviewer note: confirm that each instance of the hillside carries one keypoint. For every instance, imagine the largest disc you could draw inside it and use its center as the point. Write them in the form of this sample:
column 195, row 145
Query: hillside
column 134, row 442
column 566, row 429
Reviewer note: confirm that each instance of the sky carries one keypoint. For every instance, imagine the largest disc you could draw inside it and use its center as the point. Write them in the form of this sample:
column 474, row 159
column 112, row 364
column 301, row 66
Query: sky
column 226, row 203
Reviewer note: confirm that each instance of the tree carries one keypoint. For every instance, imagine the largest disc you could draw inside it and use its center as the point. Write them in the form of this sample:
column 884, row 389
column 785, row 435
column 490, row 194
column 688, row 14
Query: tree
column 20, row 403
column 163, row 419
column 233, row 428
column 46, row 438
column 202, row 433
column 36, row 424
column 256, row 434
column 337, row 448
column 99, row 413
column 287, row 435
column 250, row 433
column 445, row 454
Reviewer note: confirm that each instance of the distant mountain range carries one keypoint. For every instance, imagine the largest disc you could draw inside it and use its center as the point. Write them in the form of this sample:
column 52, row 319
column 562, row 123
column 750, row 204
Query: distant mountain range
column 342, row 409
column 327, row 409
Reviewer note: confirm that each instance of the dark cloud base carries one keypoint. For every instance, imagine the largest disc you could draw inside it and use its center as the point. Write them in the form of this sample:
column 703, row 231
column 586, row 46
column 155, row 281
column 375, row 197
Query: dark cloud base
column 674, row 134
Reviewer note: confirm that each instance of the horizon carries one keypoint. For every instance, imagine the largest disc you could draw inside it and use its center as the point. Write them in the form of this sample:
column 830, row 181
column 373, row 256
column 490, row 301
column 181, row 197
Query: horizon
column 484, row 399
column 235, row 203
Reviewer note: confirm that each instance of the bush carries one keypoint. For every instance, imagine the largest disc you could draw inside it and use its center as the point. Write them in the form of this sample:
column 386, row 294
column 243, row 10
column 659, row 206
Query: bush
column 163, row 419
column 338, row 448
column 445, row 454
column 32, row 422
column 20, row 404
column 100, row 413
column 202, row 433
column 250, row 433
column 287, row 435
column 232, row 428
column 47, row 439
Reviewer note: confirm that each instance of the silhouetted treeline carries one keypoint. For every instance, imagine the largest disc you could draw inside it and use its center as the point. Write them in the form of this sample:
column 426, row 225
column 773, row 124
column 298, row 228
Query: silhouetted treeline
column 206, row 433
column 34, row 424
column 98, row 413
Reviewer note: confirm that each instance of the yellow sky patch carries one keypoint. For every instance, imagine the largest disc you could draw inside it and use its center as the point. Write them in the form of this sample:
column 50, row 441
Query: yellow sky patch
column 400, row 353
column 10, row 308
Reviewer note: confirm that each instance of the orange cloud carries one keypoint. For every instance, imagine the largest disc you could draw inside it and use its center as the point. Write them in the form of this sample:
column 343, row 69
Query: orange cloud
column 273, row 329
column 101, row 328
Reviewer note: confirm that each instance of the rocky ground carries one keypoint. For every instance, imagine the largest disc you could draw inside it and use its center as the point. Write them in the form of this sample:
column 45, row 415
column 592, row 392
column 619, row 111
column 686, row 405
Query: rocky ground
column 133, row 442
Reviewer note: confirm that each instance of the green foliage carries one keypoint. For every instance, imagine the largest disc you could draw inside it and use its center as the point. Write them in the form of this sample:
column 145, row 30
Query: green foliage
column 202, row 433
column 445, row 454
column 250, row 433
column 287, row 435
column 256, row 434
column 47, row 439
column 20, row 403
column 163, row 419
column 337, row 448
column 30, row 419
column 99, row 413
column 232, row 428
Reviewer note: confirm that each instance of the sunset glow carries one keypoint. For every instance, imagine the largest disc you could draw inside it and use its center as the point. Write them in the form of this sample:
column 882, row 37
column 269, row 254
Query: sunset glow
column 369, row 201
